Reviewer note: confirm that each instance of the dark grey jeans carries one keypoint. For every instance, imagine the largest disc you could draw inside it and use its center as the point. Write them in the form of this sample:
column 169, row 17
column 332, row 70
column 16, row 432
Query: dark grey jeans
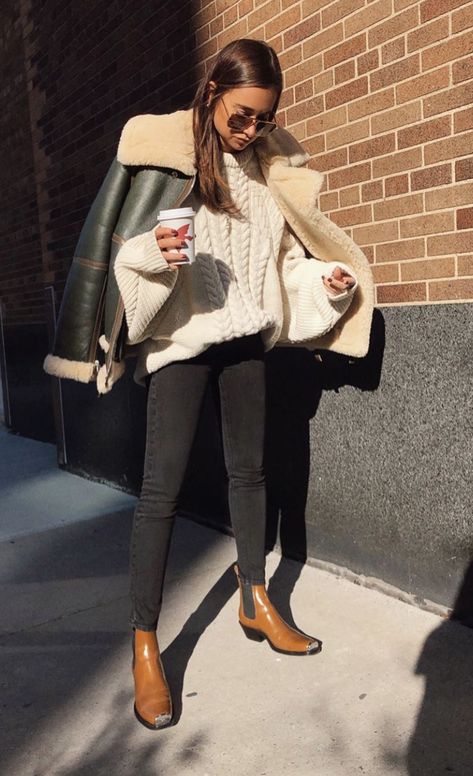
column 175, row 396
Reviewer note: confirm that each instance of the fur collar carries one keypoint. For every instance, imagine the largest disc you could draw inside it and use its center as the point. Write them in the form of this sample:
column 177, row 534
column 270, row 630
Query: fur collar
column 166, row 140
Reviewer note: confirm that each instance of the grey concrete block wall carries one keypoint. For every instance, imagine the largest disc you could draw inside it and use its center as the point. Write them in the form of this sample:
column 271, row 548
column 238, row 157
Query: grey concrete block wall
column 368, row 464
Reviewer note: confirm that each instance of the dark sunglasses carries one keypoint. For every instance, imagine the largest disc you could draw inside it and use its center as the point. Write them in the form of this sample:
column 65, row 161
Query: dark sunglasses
column 239, row 122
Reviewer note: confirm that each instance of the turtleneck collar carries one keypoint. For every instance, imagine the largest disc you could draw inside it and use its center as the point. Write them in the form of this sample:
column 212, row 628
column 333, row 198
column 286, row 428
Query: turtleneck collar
column 239, row 158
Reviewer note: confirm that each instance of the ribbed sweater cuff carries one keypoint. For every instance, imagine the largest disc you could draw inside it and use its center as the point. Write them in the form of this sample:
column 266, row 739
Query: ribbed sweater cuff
column 153, row 259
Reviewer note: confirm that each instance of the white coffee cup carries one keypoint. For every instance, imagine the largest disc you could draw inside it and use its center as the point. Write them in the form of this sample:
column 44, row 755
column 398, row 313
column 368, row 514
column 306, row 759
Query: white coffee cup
column 182, row 220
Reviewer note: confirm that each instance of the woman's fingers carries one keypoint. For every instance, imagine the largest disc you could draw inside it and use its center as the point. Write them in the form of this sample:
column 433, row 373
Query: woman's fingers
column 166, row 238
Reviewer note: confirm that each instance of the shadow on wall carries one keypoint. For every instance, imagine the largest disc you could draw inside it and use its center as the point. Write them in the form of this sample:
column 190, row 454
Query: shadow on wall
column 295, row 382
column 442, row 741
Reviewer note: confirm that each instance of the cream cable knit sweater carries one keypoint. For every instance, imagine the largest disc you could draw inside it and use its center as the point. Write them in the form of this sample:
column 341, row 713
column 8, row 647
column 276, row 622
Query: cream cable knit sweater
column 249, row 275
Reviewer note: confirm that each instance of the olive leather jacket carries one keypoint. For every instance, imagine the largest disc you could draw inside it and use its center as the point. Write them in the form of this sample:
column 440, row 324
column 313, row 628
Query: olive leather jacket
column 126, row 204
column 154, row 169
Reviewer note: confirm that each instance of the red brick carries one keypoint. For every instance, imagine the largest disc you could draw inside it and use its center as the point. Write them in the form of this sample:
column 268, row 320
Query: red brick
column 376, row 233
column 315, row 145
column 326, row 120
column 395, row 49
column 329, row 201
column 368, row 250
column 461, row 20
column 346, row 50
column 431, row 176
column 397, row 117
column 465, row 218
column 401, row 292
column 465, row 265
column 374, row 103
column 429, row 268
column 383, row 144
column 464, row 169
column 445, row 290
column 305, row 110
column 400, row 250
column 398, row 71
column 360, row 214
column 350, row 196
column 367, row 62
column 449, row 196
column 400, row 206
column 396, row 185
column 451, row 50
column 310, row 68
column 347, row 93
column 331, row 160
column 244, row 7
column 366, row 17
column 263, row 13
column 429, row 82
column 304, row 90
column 385, row 273
column 283, row 21
column 339, row 10
column 423, row 132
column 301, row 31
column 344, row 72
column 352, row 174
column 456, row 242
column 463, row 71
column 397, row 162
column 429, row 9
column 348, row 133
column 427, row 224
column 289, row 58
column 396, row 25
column 318, row 44
column 450, row 148
column 427, row 33
column 448, row 99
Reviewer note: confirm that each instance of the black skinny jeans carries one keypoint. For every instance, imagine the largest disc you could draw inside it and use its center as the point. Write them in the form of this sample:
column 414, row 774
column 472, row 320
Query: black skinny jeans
column 175, row 398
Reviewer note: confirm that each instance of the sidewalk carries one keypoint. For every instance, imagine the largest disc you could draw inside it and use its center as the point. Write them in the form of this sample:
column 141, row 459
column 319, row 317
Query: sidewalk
column 391, row 693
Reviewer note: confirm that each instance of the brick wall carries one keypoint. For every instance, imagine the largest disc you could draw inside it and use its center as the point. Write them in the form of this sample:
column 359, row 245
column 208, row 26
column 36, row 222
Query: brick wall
column 378, row 92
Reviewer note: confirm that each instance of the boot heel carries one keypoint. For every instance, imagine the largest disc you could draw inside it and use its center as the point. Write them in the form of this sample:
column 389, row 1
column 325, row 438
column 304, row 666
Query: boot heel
column 251, row 634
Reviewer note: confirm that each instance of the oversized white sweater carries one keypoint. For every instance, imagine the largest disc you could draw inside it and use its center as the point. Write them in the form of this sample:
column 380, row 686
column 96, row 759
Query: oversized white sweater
column 250, row 275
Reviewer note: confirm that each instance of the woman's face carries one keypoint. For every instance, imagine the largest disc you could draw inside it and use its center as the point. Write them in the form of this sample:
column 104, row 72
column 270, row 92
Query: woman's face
column 252, row 101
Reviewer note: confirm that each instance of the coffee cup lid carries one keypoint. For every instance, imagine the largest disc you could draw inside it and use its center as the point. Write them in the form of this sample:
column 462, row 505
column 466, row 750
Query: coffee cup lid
column 178, row 212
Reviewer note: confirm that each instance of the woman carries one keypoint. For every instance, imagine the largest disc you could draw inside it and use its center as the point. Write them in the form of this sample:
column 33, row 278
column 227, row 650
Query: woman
column 251, row 287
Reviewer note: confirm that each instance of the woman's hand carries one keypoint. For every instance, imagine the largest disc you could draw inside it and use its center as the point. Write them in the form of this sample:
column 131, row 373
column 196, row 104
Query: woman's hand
column 339, row 281
column 167, row 238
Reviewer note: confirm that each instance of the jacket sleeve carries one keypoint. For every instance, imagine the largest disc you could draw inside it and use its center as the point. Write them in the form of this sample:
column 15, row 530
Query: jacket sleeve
column 309, row 309
column 145, row 282
column 78, row 324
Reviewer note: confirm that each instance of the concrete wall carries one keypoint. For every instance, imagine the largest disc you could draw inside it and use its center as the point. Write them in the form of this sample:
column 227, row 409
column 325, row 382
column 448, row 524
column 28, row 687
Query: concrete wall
column 368, row 464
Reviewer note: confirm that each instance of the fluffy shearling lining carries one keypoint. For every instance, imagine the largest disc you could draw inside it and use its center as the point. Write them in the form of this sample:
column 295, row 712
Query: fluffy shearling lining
column 104, row 383
column 166, row 140
column 104, row 343
column 161, row 140
column 82, row 371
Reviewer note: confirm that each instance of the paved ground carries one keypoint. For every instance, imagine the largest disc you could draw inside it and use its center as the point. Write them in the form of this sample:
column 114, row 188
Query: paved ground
column 391, row 693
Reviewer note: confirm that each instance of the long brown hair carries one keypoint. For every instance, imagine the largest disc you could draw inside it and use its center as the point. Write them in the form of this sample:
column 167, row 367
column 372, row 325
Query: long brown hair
column 243, row 62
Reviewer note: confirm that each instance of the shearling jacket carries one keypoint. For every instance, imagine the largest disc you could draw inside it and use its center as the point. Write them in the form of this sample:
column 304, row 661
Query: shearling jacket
column 155, row 169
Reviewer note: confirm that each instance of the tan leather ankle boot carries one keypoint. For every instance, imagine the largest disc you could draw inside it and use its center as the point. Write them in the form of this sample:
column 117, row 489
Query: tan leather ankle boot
column 260, row 620
column 153, row 706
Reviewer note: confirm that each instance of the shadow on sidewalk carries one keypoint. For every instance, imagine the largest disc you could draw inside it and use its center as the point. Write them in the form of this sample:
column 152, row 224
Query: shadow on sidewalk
column 66, row 645
column 442, row 741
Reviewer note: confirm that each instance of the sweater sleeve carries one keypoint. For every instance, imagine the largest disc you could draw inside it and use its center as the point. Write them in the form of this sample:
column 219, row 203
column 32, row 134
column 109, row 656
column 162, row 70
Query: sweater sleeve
column 145, row 282
column 309, row 309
